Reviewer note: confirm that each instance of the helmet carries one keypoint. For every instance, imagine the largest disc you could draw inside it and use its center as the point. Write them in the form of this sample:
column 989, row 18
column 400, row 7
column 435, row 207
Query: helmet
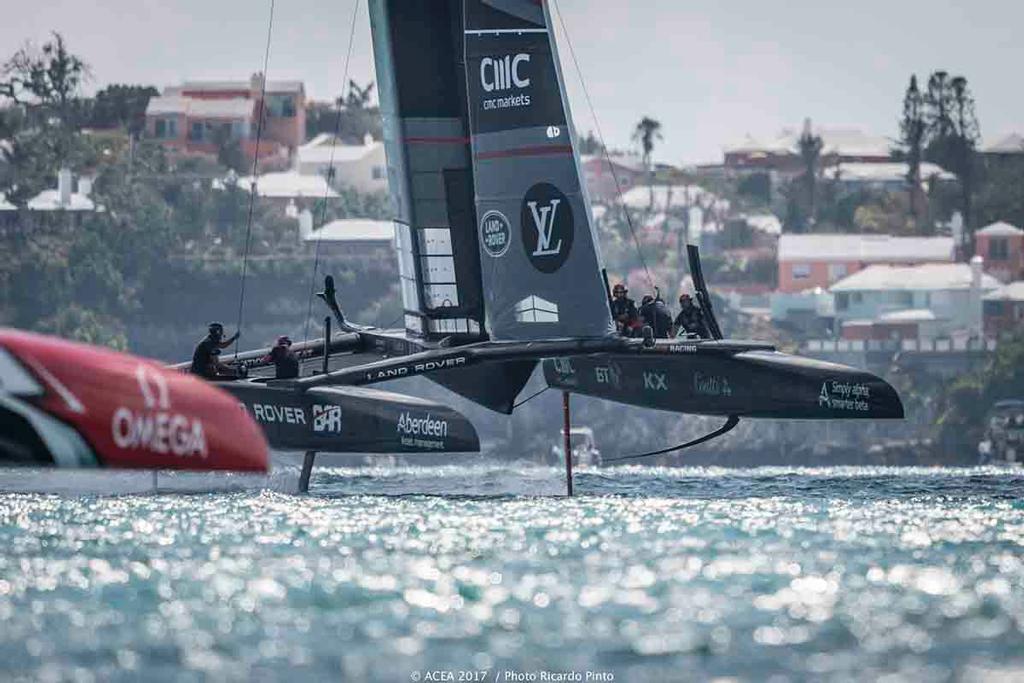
column 619, row 287
column 284, row 340
column 646, row 300
column 216, row 328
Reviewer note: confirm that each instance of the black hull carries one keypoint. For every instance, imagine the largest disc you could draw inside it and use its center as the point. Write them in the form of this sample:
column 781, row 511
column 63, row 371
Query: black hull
column 354, row 420
column 751, row 384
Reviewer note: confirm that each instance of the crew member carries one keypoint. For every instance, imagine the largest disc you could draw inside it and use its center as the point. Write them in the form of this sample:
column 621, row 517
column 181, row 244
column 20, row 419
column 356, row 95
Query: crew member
column 286, row 363
column 691, row 318
column 204, row 358
column 624, row 311
column 655, row 313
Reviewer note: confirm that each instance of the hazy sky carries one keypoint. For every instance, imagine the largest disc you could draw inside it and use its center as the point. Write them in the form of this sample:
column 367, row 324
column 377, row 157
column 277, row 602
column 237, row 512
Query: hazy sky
column 710, row 70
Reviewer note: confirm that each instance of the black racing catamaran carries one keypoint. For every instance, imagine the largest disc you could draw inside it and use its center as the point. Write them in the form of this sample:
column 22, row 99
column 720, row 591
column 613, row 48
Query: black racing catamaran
column 500, row 265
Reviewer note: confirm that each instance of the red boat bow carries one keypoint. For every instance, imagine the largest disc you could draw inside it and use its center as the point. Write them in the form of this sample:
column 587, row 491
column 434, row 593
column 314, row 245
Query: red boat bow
column 131, row 411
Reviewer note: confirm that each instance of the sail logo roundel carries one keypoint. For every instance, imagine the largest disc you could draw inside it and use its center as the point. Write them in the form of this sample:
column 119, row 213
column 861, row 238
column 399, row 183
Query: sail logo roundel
column 495, row 233
column 547, row 227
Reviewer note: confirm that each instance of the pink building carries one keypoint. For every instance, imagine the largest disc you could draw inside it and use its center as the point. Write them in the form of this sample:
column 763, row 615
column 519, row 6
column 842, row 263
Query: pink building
column 1002, row 247
column 819, row 260
column 601, row 173
column 198, row 116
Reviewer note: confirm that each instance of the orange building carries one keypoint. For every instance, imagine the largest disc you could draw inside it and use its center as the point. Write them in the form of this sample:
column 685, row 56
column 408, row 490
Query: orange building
column 1002, row 247
column 199, row 116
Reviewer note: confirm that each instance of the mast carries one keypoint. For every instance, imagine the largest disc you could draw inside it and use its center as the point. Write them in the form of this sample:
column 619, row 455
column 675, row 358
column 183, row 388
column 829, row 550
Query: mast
column 419, row 59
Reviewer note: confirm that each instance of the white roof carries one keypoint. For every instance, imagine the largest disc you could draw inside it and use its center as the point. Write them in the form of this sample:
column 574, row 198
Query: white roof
column 639, row 197
column 841, row 141
column 6, row 205
column 866, row 248
column 924, row 277
column 627, row 161
column 910, row 315
column 320, row 150
column 1008, row 144
column 1011, row 292
column 1000, row 229
column 767, row 223
column 49, row 200
column 289, row 184
column 354, row 230
column 215, row 86
column 888, row 171
column 234, row 108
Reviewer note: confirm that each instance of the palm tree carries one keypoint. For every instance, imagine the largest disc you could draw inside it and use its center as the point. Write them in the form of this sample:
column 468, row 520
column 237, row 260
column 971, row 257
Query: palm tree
column 647, row 131
column 809, row 146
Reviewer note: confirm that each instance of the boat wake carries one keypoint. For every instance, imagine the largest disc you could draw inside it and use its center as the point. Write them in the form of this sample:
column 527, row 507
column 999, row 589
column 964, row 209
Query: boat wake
column 137, row 482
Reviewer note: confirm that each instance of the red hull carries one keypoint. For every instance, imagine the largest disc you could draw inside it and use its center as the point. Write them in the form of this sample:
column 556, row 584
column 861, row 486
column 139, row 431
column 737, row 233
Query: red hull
column 131, row 411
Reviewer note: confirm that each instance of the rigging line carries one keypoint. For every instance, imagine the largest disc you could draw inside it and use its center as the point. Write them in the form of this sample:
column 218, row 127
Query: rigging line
column 530, row 397
column 731, row 422
column 330, row 172
column 604, row 147
column 255, row 168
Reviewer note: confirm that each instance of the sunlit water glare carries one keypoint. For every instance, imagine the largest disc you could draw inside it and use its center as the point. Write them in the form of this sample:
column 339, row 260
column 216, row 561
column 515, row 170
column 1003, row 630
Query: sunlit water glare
column 652, row 574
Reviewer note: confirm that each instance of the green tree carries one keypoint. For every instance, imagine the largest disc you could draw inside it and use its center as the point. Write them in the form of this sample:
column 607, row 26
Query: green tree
column 912, row 137
column 122, row 106
column 953, row 133
column 44, row 84
column 49, row 78
column 589, row 144
column 801, row 193
column 964, row 403
column 357, row 97
column 646, row 133
column 351, row 116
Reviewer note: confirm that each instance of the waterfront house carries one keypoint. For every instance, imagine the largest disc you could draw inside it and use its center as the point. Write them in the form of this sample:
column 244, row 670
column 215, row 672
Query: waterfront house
column 1003, row 310
column 607, row 176
column 938, row 299
column 360, row 167
column 814, row 260
column 198, row 117
column 1002, row 247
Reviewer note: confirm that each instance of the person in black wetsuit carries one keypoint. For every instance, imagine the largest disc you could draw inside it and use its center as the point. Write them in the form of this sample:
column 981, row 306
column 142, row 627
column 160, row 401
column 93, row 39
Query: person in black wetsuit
column 691, row 318
column 204, row 359
column 655, row 313
column 624, row 311
column 286, row 363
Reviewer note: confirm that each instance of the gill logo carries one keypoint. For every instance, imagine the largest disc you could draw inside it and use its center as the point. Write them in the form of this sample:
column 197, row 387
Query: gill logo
column 544, row 221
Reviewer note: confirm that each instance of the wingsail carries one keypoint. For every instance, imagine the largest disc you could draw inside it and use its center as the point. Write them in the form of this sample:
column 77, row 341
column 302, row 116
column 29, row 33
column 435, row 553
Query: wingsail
column 418, row 53
column 540, row 262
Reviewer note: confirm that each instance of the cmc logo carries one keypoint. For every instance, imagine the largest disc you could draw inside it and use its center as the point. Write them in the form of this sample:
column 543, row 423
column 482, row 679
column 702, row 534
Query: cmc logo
column 503, row 73
column 156, row 428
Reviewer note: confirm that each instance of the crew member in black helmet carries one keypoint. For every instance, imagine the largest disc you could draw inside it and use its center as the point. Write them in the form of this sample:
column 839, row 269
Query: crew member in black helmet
column 204, row 358
column 691, row 318
column 655, row 313
column 624, row 311
column 286, row 363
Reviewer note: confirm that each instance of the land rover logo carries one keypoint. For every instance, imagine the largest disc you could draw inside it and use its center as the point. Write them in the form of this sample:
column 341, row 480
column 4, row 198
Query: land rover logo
column 547, row 227
column 495, row 233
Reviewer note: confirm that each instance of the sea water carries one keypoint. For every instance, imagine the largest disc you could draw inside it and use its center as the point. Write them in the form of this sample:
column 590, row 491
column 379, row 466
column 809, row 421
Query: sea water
column 490, row 573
